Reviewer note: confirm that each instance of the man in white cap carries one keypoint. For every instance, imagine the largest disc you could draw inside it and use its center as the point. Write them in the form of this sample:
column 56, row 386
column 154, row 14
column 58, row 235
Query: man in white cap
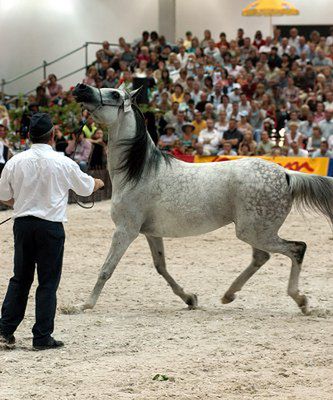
column 36, row 182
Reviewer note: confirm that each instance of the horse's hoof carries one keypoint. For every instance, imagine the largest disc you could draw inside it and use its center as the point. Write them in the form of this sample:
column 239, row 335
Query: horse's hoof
column 304, row 305
column 77, row 309
column 228, row 298
column 192, row 301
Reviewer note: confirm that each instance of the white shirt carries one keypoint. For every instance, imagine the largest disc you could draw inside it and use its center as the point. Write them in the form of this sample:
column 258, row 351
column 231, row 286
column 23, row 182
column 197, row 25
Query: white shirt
column 39, row 179
column 301, row 153
column 210, row 136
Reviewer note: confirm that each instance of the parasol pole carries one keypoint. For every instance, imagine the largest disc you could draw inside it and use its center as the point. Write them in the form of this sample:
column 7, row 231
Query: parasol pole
column 270, row 26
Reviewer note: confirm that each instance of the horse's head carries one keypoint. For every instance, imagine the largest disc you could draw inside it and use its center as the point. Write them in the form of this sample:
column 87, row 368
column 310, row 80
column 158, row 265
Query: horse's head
column 104, row 104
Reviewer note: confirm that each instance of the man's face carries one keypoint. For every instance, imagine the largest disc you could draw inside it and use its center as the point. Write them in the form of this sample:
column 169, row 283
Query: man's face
column 198, row 116
column 264, row 137
column 232, row 124
column 106, row 45
column 227, row 147
column 175, row 106
column 323, row 147
column 328, row 115
column 2, row 132
column 210, row 124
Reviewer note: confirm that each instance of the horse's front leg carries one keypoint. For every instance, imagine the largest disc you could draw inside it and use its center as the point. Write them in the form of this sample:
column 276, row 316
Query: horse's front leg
column 121, row 240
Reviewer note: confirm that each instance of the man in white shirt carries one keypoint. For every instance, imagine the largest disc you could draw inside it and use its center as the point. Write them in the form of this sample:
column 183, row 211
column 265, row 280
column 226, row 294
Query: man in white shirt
column 326, row 125
column 296, row 151
column 36, row 182
column 208, row 141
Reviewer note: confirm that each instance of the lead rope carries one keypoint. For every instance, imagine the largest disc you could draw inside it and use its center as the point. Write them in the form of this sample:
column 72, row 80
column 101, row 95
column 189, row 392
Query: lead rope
column 6, row 220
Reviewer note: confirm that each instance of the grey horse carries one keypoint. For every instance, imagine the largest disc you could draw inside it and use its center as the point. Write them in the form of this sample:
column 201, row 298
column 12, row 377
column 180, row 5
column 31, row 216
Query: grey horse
column 160, row 196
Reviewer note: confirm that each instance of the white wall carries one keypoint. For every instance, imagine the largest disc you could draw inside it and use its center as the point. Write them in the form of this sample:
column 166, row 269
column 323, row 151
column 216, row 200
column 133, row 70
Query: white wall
column 225, row 16
column 35, row 30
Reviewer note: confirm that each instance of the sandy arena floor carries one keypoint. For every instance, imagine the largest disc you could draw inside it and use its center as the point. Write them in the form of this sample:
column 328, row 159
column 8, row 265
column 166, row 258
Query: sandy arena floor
column 259, row 347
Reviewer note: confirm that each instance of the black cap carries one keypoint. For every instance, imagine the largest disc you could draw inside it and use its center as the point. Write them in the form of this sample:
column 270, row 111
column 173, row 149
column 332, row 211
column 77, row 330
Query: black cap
column 40, row 124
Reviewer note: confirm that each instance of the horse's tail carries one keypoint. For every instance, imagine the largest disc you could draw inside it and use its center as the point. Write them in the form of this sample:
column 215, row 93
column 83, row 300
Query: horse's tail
column 312, row 192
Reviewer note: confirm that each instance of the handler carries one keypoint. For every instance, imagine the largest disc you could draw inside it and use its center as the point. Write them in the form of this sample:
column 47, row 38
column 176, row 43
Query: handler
column 36, row 184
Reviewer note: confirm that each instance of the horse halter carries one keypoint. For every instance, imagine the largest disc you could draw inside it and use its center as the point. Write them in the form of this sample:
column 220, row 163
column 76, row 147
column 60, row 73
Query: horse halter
column 116, row 101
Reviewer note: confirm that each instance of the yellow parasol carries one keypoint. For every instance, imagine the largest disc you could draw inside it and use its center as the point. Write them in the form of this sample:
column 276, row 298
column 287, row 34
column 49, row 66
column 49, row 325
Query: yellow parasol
column 268, row 8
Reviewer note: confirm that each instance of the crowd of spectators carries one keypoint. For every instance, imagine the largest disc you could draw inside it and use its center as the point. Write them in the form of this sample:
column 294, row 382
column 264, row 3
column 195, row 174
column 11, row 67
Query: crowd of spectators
column 208, row 96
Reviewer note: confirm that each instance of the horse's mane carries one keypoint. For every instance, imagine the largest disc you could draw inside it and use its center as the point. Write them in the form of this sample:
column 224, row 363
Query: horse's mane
column 140, row 154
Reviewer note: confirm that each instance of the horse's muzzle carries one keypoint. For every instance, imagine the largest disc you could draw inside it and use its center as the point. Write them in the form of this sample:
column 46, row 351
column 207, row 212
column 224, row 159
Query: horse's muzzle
column 83, row 93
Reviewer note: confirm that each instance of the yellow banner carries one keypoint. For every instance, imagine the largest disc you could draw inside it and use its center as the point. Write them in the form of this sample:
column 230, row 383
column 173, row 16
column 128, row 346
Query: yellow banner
column 317, row 166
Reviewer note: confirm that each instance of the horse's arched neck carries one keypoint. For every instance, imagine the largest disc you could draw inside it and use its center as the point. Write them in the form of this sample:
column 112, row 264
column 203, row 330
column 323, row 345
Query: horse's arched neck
column 123, row 128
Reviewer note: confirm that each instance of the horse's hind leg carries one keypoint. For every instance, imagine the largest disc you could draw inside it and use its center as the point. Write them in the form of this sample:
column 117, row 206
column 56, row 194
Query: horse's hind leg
column 271, row 243
column 259, row 258
column 157, row 251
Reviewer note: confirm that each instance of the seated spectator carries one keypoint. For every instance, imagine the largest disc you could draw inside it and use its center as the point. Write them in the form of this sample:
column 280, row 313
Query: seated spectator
column 319, row 114
column 188, row 140
column 222, row 124
column 265, row 145
column 168, row 140
column 243, row 125
column 128, row 55
column 209, row 140
column 306, row 126
column 5, row 153
column 106, row 52
column 178, row 94
column 53, row 87
column 326, row 125
column 209, row 112
column 315, row 139
column 41, row 97
column 296, row 151
column 199, row 123
column 178, row 125
column 59, row 139
column 89, row 128
column 227, row 150
column 4, row 117
column 141, row 71
column 98, row 150
column 79, row 149
column 244, row 149
column 249, row 142
column 170, row 117
column 294, row 135
column 111, row 79
column 103, row 69
column 91, row 76
column 321, row 60
column 323, row 151
column 232, row 134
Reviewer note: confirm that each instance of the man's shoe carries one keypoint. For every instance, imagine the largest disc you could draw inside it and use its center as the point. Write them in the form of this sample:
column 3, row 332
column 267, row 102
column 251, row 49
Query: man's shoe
column 7, row 341
column 51, row 344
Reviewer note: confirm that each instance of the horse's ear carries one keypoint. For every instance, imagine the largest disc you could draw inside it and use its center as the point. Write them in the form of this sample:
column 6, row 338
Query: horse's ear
column 122, row 86
column 134, row 93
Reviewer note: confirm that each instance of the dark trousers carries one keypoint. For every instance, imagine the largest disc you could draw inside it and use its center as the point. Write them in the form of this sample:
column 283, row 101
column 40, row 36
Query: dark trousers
column 37, row 243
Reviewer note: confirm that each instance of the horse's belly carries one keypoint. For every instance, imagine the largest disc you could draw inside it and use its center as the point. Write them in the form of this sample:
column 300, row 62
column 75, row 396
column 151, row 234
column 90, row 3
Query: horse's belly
column 173, row 225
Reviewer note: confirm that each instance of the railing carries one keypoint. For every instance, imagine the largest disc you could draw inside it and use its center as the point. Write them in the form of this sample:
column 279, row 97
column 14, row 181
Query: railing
column 45, row 64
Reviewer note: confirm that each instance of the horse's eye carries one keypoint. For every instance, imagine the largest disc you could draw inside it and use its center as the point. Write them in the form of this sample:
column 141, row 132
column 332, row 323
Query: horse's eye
column 115, row 95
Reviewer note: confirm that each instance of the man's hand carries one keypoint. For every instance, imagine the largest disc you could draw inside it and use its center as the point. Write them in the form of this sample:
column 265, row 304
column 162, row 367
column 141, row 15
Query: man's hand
column 9, row 203
column 99, row 184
